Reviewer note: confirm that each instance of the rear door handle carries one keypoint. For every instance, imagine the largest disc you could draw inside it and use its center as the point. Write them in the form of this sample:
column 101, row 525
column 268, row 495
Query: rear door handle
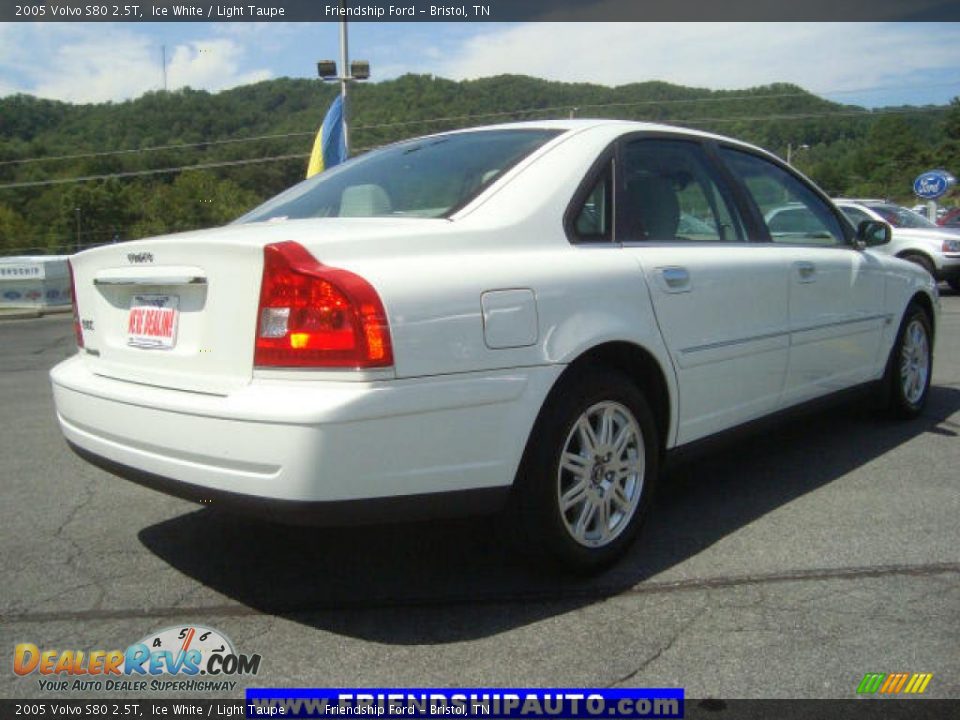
column 675, row 279
column 806, row 271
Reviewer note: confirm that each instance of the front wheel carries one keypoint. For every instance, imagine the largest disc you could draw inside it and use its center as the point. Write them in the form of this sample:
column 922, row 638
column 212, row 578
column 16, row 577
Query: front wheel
column 910, row 366
column 587, row 476
column 924, row 262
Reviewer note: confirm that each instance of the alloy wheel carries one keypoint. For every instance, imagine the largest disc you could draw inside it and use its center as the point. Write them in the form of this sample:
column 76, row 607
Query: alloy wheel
column 600, row 474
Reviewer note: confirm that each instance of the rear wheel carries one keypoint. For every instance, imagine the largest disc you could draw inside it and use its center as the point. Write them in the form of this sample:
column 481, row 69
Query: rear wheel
column 587, row 475
column 910, row 366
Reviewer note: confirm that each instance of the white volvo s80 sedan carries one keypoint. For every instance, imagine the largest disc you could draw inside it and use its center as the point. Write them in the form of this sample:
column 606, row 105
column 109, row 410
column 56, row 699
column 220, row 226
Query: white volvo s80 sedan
column 510, row 317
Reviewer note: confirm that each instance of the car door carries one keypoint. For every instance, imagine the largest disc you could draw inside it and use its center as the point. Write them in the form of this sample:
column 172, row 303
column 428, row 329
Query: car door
column 720, row 300
column 836, row 291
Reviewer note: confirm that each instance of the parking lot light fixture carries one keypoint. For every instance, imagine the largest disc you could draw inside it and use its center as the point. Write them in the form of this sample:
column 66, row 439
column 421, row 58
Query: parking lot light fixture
column 327, row 69
column 359, row 70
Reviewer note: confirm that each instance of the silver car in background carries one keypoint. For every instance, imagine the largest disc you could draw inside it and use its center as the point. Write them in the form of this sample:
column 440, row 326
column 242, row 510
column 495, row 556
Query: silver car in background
column 934, row 248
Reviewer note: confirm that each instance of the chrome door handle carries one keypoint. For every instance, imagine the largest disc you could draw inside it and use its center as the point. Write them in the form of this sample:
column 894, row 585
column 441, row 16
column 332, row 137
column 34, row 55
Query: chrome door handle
column 676, row 278
column 807, row 271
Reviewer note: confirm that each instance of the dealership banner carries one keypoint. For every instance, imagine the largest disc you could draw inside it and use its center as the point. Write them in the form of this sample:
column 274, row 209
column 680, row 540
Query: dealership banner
column 36, row 281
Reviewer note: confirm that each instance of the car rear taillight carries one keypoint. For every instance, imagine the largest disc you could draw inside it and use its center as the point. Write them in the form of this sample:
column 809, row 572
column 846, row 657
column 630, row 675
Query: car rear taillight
column 313, row 315
column 77, row 330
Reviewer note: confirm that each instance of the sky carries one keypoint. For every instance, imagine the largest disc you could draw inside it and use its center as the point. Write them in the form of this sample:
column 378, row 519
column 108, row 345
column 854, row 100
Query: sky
column 868, row 64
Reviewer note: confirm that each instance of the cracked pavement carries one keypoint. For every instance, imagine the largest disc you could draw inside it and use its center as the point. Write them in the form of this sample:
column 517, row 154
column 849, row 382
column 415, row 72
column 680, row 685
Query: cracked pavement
column 785, row 565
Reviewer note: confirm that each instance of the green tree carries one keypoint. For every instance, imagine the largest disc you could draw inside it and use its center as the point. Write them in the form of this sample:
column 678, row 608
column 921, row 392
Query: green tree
column 196, row 199
column 14, row 232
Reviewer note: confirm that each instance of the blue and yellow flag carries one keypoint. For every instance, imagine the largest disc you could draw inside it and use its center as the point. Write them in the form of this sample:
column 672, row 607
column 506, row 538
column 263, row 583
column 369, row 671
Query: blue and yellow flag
column 329, row 149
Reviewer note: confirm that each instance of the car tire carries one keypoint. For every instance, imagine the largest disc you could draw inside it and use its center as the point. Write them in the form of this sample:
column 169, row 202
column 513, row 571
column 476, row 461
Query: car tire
column 910, row 366
column 587, row 475
column 924, row 262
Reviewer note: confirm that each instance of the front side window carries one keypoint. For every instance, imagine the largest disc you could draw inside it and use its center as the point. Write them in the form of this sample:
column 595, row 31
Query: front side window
column 793, row 212
column 427, row 177
column 669, row 193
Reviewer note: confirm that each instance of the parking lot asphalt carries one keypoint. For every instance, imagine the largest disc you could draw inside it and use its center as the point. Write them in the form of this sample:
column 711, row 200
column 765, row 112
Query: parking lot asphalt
column 786, row 565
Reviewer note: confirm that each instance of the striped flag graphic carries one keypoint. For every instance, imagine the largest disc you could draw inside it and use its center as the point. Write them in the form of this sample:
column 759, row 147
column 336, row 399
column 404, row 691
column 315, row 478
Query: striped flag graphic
column 894, row 683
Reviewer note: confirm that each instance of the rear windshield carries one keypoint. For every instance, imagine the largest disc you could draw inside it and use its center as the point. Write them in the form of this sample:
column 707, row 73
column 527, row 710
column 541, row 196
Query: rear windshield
column 428, row 177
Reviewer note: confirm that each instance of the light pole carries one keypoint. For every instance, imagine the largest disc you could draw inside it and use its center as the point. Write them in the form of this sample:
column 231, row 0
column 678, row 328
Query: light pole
column 77, row 212
column 358, row 70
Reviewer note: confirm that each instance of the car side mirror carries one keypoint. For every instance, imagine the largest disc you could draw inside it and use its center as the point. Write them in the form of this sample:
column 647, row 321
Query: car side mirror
column 871, row 233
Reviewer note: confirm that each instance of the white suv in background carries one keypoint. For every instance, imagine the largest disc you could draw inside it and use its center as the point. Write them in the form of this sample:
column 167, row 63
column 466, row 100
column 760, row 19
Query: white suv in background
column 934, row 248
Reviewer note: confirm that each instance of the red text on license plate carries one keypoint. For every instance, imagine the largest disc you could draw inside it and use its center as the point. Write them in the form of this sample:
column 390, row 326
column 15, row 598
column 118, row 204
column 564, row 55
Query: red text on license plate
column 153, row 321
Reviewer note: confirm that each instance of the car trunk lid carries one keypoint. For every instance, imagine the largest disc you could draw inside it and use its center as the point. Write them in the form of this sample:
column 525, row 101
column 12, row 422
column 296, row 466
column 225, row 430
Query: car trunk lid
column 178, row 314
column 181, row 311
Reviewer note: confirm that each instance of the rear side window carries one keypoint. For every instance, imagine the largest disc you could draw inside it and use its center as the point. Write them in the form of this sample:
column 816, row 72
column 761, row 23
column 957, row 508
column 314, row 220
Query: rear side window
column 427, row 177
column 594, row 218
column 793, row 212
column 668, row 193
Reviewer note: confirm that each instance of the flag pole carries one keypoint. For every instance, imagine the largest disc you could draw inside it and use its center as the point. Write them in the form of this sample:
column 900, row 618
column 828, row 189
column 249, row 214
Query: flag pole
column 335, row 127
column 344, row 70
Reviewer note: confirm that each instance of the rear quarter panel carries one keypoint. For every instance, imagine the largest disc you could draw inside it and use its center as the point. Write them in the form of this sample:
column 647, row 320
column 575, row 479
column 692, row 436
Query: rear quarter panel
column 584, row 297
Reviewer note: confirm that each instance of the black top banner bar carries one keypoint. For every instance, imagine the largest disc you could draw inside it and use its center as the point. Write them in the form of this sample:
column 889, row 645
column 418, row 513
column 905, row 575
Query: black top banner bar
column 476, row 10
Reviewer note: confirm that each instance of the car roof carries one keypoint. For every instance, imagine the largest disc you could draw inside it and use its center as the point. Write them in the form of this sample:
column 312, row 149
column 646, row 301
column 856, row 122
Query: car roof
column 613, row 127
column 863, row 201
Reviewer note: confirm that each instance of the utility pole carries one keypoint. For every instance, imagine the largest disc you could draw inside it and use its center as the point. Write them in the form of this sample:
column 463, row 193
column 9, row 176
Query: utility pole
column 163, row 62
column 77, row 211
column 790, row 151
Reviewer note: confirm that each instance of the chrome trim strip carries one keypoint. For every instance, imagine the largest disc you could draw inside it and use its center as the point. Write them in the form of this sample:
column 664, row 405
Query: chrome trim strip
column 728, row 343
column 838, row 323
column 792, row 331
column 159, row 280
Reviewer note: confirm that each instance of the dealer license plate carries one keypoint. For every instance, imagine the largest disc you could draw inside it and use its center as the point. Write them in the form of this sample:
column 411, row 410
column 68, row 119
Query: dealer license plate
column 152, row 322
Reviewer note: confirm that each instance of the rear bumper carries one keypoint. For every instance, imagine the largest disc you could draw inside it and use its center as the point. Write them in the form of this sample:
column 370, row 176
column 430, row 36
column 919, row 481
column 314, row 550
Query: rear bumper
column 305, row 442
column 455, row 503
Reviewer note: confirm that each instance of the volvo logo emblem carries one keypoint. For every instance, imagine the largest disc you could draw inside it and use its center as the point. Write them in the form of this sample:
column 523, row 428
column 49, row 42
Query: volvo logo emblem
column 140, row 257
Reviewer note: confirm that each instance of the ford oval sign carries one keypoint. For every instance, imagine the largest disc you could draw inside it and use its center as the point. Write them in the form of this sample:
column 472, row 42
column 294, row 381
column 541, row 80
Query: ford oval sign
column 932, row 184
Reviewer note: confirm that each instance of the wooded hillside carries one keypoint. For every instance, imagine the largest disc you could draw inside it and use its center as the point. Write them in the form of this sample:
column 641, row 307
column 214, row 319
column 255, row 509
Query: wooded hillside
column 248, row 143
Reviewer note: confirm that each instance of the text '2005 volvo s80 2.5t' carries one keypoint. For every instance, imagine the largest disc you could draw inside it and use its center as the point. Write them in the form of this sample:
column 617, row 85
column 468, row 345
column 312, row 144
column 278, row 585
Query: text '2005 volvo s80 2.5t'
column 524, row 317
